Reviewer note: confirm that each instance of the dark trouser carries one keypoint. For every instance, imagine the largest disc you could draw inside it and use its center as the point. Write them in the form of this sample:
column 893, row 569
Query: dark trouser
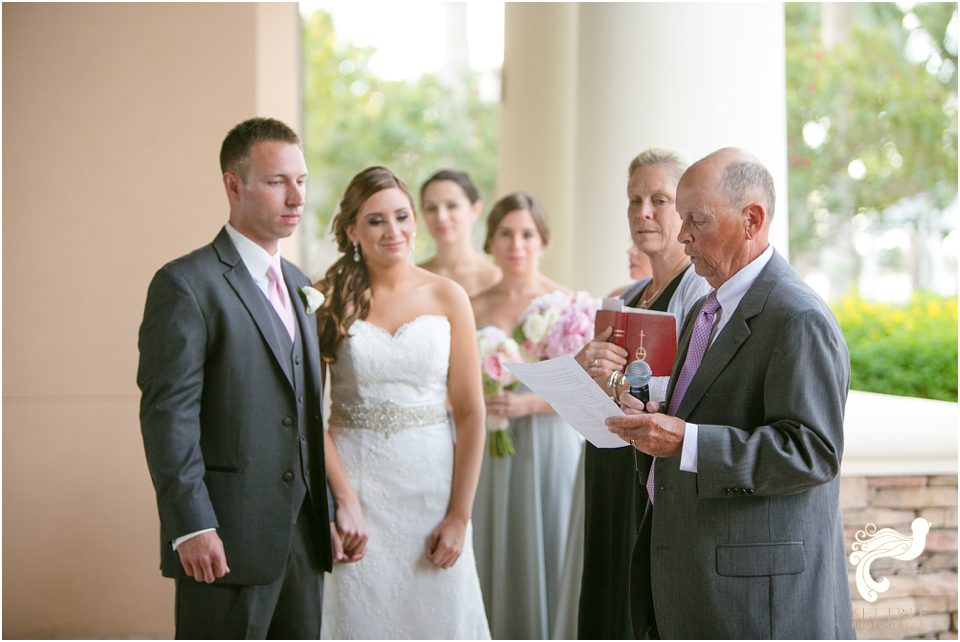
column 289, row 608
column 641, row 592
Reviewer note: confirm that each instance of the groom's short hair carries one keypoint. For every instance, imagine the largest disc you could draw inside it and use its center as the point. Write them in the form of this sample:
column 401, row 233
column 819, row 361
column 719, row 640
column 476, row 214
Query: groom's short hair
column 235, row 150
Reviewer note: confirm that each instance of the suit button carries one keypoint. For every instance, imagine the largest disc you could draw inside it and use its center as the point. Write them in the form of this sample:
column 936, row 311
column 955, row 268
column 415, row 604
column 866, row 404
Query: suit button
column 749, row 491
column 303, row 439
column 296, row 361
column 287, row 421
column 300, row 399
column 288, row 476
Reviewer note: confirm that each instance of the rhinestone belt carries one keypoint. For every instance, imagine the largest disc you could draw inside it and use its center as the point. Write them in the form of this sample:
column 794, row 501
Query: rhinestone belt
column 386, row 417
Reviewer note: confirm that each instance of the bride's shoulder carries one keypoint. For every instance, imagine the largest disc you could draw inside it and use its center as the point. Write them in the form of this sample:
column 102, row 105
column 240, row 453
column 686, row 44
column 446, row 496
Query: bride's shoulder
column 443, row 293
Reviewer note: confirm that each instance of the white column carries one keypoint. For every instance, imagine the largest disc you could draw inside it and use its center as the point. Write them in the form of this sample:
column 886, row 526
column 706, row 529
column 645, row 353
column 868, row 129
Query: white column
column 537, row 146
column 691, row 77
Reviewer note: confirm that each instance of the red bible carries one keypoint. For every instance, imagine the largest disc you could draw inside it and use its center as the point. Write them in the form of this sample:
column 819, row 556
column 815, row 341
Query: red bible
column 646, row 334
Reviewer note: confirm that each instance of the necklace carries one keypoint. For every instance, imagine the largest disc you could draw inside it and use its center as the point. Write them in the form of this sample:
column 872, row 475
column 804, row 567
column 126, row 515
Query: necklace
column 647, row 301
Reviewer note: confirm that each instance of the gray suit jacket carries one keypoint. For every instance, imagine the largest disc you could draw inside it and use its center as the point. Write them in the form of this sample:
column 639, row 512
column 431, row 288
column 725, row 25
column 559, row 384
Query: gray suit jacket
column 752, row 546
column 219, row 415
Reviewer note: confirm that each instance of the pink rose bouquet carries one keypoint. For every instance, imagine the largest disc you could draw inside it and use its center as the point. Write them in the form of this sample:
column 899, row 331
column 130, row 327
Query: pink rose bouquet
column 573, row 329
column 536, row 322
column 497, row 349
column 555, row 324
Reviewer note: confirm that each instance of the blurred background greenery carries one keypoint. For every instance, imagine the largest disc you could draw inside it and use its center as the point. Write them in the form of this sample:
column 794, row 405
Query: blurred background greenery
column 902, row 349
column 354, row 118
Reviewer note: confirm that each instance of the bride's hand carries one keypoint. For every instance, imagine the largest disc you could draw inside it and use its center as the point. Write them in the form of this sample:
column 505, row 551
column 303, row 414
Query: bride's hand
column 336, row 544
column 446, row 541
column 352, row 529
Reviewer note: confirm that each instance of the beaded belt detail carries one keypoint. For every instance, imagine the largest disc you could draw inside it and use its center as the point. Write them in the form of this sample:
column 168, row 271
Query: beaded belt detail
column 387, row 417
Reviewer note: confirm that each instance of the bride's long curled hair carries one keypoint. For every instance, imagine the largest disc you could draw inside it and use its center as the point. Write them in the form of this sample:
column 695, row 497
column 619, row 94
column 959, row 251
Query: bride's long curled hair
column 346, row 285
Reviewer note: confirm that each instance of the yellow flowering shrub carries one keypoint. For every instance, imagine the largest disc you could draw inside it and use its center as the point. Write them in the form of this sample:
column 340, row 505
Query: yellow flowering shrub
column 908, row 350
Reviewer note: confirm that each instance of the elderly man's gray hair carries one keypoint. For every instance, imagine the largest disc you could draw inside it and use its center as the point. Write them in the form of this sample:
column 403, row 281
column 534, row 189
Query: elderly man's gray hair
column 741, row 177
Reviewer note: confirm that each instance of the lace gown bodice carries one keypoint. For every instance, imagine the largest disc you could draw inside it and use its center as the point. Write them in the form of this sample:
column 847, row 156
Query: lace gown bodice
column 408, row 367
column 389, row 424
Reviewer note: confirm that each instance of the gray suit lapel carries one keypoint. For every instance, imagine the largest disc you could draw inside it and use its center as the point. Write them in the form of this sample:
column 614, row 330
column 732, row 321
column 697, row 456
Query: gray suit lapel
column 252, row 298
column 733, row 335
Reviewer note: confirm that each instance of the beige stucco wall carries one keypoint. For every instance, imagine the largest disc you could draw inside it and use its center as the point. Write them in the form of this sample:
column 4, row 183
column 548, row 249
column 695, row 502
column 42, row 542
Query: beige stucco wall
column 112, row 120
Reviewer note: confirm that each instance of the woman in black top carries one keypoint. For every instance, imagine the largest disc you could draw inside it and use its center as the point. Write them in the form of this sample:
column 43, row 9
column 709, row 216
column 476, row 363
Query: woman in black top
column 614, row 501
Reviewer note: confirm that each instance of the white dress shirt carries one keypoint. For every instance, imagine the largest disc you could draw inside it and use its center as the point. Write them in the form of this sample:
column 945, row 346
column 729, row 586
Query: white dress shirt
column 255, row 258
column 729, row 295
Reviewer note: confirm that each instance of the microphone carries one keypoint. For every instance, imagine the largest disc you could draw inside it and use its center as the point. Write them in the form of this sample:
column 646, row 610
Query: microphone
column 638, row 375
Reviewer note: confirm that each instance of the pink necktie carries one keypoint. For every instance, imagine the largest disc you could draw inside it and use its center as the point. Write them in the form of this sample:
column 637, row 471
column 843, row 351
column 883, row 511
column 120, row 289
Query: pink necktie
column 699, row 341
column 280, row 299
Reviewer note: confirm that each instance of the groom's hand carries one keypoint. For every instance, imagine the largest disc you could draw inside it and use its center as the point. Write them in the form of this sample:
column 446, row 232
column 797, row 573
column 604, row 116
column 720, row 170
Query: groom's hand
column 203, row 558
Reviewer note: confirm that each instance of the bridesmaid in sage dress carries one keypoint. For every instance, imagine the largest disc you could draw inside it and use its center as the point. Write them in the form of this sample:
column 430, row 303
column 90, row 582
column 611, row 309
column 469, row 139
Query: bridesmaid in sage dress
column 523, row 501
column 614, row 502
column 451, row 205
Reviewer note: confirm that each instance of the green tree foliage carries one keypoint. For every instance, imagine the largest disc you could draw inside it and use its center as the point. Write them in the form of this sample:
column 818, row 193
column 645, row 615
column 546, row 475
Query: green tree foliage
column 353, row 119
column 902, row 350
column 874, row 105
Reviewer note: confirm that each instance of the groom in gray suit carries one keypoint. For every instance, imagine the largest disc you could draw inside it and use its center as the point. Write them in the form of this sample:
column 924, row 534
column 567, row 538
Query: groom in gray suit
column 743, row 536
column 230, row 410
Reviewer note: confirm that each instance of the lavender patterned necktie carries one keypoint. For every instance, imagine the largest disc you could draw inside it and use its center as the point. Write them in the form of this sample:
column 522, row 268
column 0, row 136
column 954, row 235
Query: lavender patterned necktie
column 699, row 341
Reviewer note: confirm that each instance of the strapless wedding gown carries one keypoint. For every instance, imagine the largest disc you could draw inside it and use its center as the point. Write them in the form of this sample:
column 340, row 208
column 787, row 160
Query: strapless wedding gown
column 389, row 423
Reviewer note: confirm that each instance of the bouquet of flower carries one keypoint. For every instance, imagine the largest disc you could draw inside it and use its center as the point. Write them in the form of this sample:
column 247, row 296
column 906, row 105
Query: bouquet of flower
column 555, row 324
column 536, row 321
column 497, row 349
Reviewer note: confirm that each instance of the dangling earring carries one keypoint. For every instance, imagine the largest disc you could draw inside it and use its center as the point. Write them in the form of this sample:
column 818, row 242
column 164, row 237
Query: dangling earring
column 356, row 252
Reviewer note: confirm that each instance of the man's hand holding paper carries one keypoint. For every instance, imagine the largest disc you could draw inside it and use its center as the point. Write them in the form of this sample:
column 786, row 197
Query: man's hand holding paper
column 647, row 429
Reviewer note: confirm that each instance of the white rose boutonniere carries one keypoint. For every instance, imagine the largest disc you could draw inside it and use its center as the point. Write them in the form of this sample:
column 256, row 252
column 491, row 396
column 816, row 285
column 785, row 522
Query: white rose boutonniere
column 312, row 298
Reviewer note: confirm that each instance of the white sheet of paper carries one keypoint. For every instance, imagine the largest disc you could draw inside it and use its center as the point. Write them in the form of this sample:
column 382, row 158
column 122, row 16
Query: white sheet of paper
column 574, row 395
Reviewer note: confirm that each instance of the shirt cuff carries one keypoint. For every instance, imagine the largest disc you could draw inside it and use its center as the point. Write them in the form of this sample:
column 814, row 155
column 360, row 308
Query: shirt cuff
column 180, row 540
column 688, row 457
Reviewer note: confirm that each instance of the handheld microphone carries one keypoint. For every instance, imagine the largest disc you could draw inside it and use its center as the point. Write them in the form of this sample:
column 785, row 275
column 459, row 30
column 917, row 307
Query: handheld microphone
column 638, row 375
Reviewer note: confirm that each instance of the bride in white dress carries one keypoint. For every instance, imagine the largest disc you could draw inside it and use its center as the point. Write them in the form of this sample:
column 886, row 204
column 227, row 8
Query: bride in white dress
column 403, row 491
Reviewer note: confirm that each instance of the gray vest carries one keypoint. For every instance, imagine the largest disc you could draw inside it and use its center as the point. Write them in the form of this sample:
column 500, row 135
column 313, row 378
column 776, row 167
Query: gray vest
column 296, row 366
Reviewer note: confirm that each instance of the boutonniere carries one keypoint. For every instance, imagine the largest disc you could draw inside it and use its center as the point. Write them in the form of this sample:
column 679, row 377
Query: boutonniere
column 312, row 298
